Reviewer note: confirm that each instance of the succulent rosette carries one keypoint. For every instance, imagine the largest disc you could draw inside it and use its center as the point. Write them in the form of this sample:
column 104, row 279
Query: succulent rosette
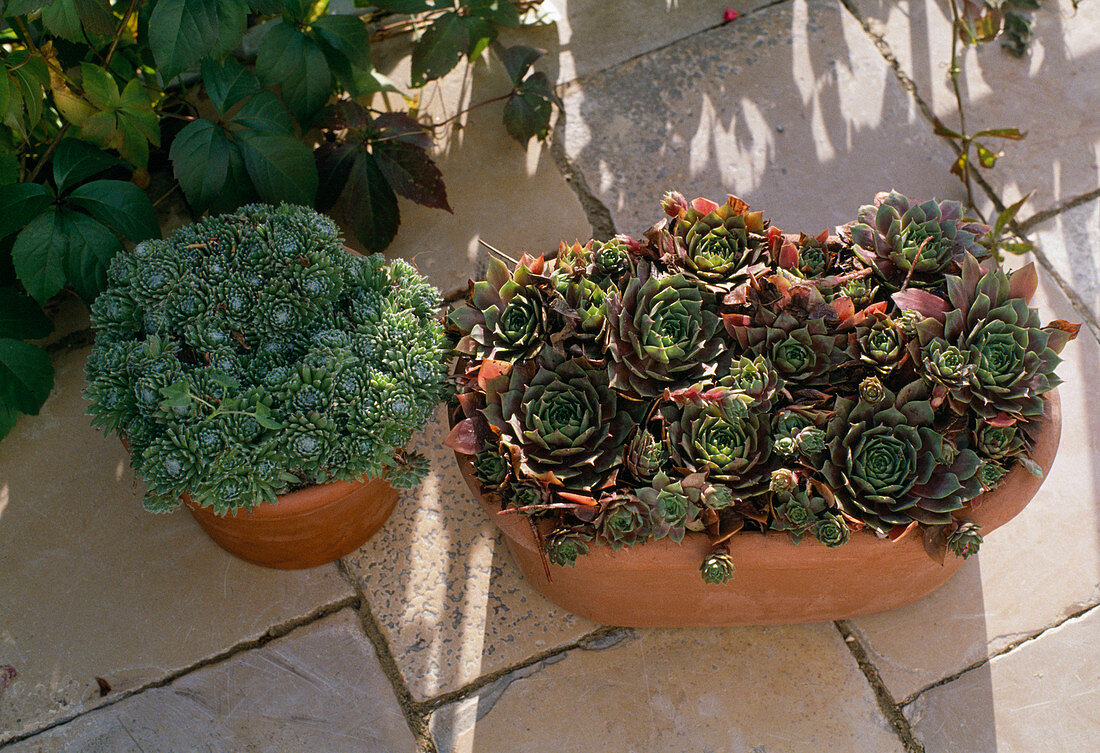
column 661, row 333
column 718, row 246
column 730, row 444
column 754, row 378
column 998, row 442
column 1014, row 356
column 717, row 568
column 566, row 543
column 624, row 519
column 965, row 540
column 878, row 343
column 645, row 454
column 948, row 369
column 915, row 244
column 560, row 421
column 506, row 316
column 802, row 352
column 888, row 465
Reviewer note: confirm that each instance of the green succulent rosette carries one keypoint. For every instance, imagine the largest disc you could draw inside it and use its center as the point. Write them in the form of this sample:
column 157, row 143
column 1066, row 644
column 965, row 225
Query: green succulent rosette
column 624, row 520
column 947, row 368
column 915, row 244
column 562, row 421
column 724, row 439
column 965, row 540
column 755, row 378
column 999, row 442
column 803, row 353
column 878, row 343
column 506, row 316
column 717, row 246
column 717, row 568
column 661, row 333
column 831, row 530
column 566, row 543
column 645, row 455
column 888, row 465
column 1012, row 354
column 490, row 467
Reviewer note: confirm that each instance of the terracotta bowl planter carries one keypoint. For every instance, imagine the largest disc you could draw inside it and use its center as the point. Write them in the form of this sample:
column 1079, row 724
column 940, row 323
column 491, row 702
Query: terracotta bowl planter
column 306, row 528
column 657, row 584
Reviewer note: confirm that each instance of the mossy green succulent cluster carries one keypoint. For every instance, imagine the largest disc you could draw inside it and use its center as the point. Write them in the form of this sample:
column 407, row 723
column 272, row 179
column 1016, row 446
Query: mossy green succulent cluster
column 251, row 353
column 719, row 375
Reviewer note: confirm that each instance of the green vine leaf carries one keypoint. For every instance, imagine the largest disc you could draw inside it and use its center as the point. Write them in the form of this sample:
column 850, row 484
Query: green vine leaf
column 281, row 167
column 518, row 59
column 26, row 79
column 121, row 206
column 264, row 112
column 345, row 42
column 373, row 209
column 125, row 122
column 527, row 112
column 20, row 7
column 402, row 6
column 439, row 49
column 295, row 63
column 182, row 32
column 60, row 246
column 71, row 19
column 227, row 82
column 75, row 161
column 200, row 156
column 26, row 378
column 503, row 12
column 20, row 203
column 21, row 318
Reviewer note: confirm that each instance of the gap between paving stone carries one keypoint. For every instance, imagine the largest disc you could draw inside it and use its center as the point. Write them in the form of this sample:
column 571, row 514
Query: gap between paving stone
column 418, row 713
column 272, row 633
column 890, row 708
column 1006, row 650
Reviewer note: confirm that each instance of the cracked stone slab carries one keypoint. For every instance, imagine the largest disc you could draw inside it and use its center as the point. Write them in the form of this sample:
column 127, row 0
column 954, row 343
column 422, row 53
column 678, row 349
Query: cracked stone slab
column 1070, row 241
column 792, row 108
column 443, row 586
column 789, row 689
column 591, row 35
column 320, row 688
column 1041, row 698
column 1051, row 93
column 93, row 586
column 1038, row 569
column 512, row 197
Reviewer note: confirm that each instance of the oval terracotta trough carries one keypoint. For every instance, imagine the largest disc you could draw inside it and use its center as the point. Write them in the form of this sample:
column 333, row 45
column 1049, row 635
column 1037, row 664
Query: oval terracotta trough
column 657, row 584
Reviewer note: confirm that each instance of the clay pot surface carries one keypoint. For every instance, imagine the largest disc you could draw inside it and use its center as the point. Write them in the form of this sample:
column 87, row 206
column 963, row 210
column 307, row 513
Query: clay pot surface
column 307, row 528
column 657, row 584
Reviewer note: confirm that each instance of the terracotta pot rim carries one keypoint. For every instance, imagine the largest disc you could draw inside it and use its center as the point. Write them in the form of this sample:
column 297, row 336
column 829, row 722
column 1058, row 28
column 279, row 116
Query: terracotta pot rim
column 292, row 504
column 518, row 528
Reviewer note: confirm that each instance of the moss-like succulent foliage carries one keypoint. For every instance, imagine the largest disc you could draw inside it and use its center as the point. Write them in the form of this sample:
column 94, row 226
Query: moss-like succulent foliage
column 721, row 376
column 250, row 354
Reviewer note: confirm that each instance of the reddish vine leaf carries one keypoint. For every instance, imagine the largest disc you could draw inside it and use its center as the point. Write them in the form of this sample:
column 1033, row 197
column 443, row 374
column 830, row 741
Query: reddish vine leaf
column 411, row 173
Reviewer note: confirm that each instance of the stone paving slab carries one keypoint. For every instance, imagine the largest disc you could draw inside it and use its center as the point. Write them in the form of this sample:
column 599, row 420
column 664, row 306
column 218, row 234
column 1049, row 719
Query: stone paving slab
column 442, row 584
column 320, row 688
column 92, row 585
column 791, row 107
column 1038, row 569
column 512, row 198
column 768, row 690
column 1052, row 93
column 1040, row 698
column 591, row 35
column 1070, row 241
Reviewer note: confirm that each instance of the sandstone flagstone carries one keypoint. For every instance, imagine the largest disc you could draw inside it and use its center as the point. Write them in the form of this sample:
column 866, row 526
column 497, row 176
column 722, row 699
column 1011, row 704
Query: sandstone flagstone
column 792, row 108
column 320, row 688
column 779, row 689
column 1051, row 93
column 93, row 586
column 1040, row 698
column 442, row 584
column 1039, row 568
